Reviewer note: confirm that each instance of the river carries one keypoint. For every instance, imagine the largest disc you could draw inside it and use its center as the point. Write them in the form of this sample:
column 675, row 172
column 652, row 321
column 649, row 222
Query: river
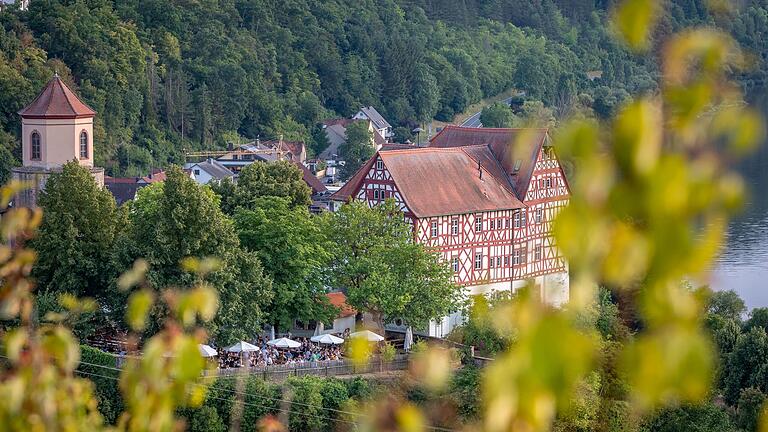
column 743, row 263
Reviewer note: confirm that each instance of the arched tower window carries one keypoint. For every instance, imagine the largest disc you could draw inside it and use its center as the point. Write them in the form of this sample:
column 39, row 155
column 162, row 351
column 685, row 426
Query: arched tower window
column 83, row 145
column 36, row 149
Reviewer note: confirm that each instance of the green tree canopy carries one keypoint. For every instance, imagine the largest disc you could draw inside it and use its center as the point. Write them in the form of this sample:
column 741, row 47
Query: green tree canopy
column 295, row 253
column 281, row 179
column 383, row 270
column 176, row 219
column 357, row 149
column 497, row 115
column 80, row 225
column 726, row 304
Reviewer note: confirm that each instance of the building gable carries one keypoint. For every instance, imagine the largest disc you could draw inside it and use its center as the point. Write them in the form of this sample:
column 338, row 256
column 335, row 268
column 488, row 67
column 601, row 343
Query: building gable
column 378, row 185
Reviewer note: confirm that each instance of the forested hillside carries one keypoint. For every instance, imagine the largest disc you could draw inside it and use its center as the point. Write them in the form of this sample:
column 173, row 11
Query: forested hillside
column 170, row 75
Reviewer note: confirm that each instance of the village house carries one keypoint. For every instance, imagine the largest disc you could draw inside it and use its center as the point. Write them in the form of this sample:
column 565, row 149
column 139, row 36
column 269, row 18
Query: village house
column 22, row 4
column 336, row 133
column 381, row 125
column 484, row 199
column 345, row 322
column 209, row 170
column 124, row 189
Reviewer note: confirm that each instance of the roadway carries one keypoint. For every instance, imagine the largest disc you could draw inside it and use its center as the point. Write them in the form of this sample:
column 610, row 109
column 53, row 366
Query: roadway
column 473, row 121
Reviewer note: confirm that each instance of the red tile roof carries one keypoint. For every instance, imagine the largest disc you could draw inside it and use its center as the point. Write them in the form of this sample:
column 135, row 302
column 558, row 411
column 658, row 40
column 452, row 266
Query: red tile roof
column 339, row 300
column 295, row 147
column 155, row 176
column 443, row 181
column 311, row 179
column 507, row 145
column 57, row 101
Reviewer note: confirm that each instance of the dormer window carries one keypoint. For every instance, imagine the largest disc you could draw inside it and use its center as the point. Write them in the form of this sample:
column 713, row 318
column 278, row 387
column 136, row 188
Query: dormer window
column 83, row 145
column 36, row 149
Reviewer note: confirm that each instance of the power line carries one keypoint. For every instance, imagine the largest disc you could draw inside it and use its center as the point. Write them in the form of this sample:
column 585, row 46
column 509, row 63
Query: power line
column 238, row 393
column 242, row 401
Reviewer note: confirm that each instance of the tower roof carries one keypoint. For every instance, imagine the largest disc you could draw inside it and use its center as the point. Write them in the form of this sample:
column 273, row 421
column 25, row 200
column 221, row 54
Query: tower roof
column 57, row 101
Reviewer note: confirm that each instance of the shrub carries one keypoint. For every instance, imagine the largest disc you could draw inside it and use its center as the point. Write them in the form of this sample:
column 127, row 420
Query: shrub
column 104, row 379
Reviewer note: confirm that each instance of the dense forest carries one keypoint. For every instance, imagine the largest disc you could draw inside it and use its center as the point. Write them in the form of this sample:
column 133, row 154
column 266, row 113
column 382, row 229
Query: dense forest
column 168, row 76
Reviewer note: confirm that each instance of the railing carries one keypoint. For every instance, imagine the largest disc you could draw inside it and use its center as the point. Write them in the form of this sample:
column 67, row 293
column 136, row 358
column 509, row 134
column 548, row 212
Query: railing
column 279, row 373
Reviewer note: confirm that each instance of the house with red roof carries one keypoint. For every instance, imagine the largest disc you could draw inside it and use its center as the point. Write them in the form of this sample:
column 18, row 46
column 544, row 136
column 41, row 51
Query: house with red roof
column 484, row 199
column 336, row 133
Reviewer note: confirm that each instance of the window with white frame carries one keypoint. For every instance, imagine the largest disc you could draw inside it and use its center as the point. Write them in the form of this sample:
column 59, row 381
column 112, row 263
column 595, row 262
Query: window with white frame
column 375, row 194
column 478, row 260
column 454, row 226
column 538, row 215
column 517, row 219
column 455, row 264
column 434, row 229
column 523, row 218
column 537, row 252
column 506, row 260
column 492, row 224
column 548, row 182
column 490, row 262
column 379, row 164
column 506, row 223
column 516, row 257
column 478, row 223
column 498, row 261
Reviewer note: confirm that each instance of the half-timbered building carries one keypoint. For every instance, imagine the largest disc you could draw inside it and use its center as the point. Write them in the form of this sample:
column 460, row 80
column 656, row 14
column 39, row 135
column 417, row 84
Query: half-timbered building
column 485, row 199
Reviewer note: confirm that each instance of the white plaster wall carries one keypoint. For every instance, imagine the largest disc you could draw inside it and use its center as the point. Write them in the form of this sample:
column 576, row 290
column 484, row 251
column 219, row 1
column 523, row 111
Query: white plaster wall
column 59, row 141
column 341, row 324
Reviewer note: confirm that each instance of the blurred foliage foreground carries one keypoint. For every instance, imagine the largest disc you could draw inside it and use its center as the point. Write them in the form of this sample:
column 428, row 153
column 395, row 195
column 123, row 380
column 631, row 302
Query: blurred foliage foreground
column 651, row 199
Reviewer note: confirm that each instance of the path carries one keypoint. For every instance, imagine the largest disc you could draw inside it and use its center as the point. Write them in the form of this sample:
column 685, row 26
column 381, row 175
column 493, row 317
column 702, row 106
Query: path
column 473, row 121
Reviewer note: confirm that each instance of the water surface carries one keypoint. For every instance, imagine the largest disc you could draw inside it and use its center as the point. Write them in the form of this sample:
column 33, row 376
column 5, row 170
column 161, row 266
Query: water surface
column 743, row 264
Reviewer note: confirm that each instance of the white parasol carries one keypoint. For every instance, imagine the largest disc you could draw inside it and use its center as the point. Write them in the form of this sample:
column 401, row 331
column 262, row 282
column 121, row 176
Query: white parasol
column 327, row 339
column 207, row 351
column 284, row 342
column 367, row 335
column 408, row 339
column 243, row 346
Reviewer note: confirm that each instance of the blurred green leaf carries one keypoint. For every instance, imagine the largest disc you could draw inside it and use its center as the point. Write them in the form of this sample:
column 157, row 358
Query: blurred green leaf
column 138, row 307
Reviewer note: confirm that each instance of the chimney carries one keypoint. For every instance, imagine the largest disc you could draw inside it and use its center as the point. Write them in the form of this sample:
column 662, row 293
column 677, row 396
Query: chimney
column 230, row 146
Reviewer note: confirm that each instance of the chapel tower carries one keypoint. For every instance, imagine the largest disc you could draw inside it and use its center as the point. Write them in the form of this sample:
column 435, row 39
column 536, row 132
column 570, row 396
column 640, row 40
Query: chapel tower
column 57, row 127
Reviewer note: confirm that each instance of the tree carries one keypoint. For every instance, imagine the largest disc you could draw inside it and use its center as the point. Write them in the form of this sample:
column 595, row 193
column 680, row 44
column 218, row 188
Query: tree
column 80, row 225
column 7, row 160
column 177, row 219
column 295, row 253
column 357, row 148
column 747, row 364
column 205, row 419
column 749, row 408
column 497, row 115
column 384, row 271
column 277, row 179
column 757, row 318
column 425, row 97
column 690, row 418
column 726, row 304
